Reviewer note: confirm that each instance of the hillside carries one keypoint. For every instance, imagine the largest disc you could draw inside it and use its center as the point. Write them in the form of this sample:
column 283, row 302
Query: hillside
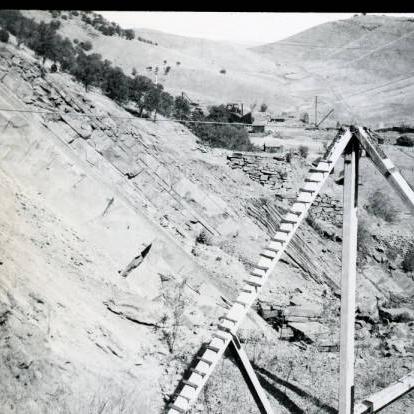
column 336, row 61
column 122, row 240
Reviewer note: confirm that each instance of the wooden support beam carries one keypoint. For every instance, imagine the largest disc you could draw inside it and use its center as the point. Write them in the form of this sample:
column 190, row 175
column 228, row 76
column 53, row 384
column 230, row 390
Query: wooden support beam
column 386, row 396
column 348, row 280
column 386, row 167
column 250, row 377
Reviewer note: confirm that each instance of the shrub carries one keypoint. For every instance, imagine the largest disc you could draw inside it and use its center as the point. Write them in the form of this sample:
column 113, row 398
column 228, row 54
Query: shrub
column 405, row 141
column 4, row 36
column 408, row 260
column 167, row 69
column 171, row 323
column 53, row 68
column 178, row 63
column 223, row 71
column 76, row 41
column 64, row 17
column 304, row 151
column 381, row 205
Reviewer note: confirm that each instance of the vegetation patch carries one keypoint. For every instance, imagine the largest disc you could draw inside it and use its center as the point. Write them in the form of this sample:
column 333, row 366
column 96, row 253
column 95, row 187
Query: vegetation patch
column 405, row 141
column 381, row 205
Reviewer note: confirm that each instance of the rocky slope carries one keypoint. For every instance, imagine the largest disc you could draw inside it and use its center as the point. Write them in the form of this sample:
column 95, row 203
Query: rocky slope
column 87, row 317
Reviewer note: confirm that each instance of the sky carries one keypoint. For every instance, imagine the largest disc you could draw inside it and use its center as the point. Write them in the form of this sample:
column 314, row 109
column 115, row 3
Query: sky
column 245, row 28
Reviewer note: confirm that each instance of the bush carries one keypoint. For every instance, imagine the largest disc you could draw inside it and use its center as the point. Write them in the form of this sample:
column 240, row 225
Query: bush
column 408, row 260
column 204, row 238
column 4, row 36
column 405, row 141
column 223, row 71
column 304, row 151
column 263, row 107
column 64, row 17
column 381, row 205
column 76, row 41
column 53, row 68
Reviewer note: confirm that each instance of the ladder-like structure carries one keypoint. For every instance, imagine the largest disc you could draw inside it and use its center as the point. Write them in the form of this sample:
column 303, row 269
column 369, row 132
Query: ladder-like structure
column 225, row 336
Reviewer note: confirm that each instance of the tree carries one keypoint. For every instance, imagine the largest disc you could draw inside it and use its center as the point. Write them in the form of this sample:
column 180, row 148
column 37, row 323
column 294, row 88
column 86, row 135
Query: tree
column 55, row 24
column 263, row 107
column 43, row 42
column 115, row 84
column 166, row 104
column 129, row 34
column 4, row 36
column 181, row 107
column 88, row 69
column 219, row 114
column 66, row 55
column 152, row 98
column 138, row 87
column 86, row 45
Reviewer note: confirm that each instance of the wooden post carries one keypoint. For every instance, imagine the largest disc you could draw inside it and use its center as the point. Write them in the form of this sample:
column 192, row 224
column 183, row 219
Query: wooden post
column 250, row 377
column 348, row 285
column 386, row 396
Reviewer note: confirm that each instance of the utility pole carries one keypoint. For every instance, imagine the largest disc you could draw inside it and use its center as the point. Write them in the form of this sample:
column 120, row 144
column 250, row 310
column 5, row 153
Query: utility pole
column 316, row 111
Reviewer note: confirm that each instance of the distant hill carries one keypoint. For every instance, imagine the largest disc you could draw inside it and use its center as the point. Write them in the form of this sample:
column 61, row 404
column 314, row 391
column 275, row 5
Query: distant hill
column 366, row 62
